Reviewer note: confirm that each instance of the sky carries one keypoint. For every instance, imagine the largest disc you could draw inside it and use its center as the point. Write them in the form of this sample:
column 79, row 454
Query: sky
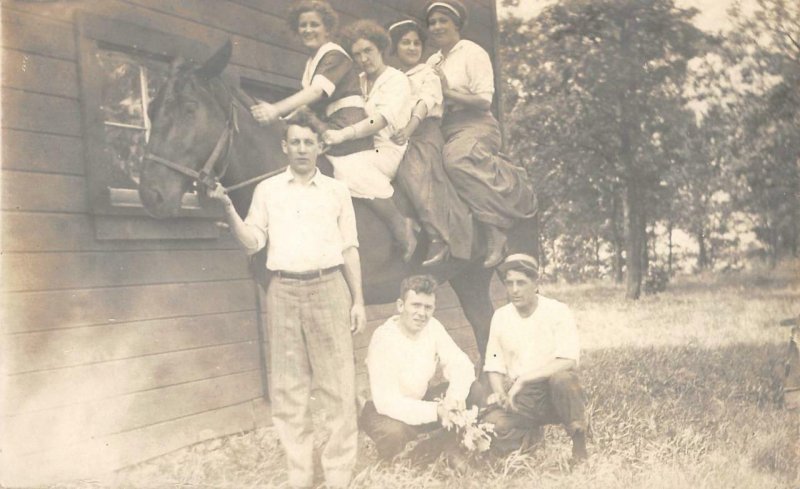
column 712, row 16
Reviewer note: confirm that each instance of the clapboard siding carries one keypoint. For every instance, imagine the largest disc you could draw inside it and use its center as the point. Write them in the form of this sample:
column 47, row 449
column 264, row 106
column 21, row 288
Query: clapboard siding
column 36, row 73
column 247, row 52
column 36, row 34
column 41, row 113
column 86, row 307
column 234, row 18
column 31, row 352
column 31, row 151
column 44, row 232
column 43, row 192
column 36, row 391
column 88, row 458
column 53, row 271
column 68, row 425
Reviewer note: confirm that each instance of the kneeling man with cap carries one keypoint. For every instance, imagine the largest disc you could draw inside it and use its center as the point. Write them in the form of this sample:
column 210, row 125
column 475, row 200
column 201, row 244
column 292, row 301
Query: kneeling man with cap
column 404, row 355
column 531, row 362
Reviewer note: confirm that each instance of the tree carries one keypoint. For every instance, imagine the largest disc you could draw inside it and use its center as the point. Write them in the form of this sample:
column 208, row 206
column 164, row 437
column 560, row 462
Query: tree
column 763, row 59
column 595, row 88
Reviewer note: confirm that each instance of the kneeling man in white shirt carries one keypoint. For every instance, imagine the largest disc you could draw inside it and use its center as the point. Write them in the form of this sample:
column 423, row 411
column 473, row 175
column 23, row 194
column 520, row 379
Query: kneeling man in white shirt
column 404, row 355
column 531, row 362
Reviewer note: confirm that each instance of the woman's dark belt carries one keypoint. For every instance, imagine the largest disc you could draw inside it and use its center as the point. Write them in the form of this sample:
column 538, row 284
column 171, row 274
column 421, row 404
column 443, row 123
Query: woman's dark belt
column 307, row 275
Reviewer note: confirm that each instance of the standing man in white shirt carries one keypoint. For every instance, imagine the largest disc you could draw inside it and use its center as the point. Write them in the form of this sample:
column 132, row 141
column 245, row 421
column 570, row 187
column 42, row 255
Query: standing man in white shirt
column 531, row 362
column 314, row 302
column 403, row 357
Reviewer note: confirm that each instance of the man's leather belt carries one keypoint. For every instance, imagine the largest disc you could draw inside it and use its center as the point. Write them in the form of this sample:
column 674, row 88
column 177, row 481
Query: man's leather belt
column 307, row 275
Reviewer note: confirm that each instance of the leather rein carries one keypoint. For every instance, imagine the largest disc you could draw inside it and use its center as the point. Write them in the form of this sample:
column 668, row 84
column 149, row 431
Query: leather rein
column 205, row 177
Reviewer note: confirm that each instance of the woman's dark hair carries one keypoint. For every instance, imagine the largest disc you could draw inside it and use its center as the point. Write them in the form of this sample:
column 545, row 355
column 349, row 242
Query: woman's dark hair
column 402, row 29
column 365, row 29
column 329, row 17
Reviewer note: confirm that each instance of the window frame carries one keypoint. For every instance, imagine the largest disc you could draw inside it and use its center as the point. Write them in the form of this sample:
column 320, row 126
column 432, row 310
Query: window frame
column 95, row 34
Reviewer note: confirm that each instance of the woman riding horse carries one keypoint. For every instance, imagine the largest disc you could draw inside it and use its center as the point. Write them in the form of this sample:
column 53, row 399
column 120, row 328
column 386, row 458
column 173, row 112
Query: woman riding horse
column 331, row 88
column 445, row 218
column 497, row 191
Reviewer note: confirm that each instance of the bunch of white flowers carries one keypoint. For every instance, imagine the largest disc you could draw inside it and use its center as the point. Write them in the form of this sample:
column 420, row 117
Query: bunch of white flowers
column 475, row 436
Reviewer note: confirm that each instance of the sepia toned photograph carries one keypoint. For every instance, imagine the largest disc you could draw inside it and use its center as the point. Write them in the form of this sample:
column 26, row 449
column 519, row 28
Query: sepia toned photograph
column 400, row 244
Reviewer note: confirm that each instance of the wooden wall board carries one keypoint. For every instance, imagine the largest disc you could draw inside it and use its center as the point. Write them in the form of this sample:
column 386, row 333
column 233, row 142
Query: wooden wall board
column 56, row 232
column 41, row 74
column 67, row 425
column 143, row 228
column 56, row 271
column 86, row 307
column 36, row 391
column 247, row 52
column 87, row 459
column 30, row 151
column 47, row 350
column 37, row 34
column 25, row 110
column 231, row 17
column 26, row 191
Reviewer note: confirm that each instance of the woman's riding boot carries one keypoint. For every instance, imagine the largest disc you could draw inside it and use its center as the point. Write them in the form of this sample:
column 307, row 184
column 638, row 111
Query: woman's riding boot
column 402, row 227
column 495, row 246
column 437, row 248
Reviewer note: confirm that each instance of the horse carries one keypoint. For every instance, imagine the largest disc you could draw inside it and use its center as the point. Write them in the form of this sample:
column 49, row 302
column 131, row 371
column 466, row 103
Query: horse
column 202, row 130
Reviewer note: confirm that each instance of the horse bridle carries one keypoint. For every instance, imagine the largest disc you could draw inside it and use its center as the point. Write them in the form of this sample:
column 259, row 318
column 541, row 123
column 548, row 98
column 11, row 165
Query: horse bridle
column 205, row 176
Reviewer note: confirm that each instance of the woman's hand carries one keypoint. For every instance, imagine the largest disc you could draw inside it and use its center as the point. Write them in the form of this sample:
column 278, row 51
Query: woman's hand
column 442, row 78
column 332, row 137
column 402, row 136
column 265, row 113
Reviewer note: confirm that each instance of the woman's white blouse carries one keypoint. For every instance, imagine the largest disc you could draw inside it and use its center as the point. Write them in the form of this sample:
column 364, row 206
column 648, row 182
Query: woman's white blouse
column 468, row 69
column 390, row 97
column 426, row 86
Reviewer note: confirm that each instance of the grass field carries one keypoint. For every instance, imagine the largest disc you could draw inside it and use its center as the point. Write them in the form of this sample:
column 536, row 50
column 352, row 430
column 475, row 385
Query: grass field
column 681, row 394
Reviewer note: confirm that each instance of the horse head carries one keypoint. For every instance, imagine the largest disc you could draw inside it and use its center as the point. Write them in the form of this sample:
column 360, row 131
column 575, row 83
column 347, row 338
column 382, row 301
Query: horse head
column 190, row 114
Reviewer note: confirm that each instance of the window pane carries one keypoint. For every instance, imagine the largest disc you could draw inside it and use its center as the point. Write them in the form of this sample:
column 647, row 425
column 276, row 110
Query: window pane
column 130, row 82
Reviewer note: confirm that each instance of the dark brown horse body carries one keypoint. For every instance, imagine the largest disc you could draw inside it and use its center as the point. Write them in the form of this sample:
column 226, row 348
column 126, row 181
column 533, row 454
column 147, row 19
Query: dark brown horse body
column 191, row 111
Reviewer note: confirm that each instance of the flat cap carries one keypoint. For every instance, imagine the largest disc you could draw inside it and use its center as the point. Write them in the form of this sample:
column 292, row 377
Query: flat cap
column 519, row 261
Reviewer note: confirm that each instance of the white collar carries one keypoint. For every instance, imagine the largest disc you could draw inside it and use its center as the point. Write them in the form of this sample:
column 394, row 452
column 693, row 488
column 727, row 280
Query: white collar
column 313, row 62
column 438, row 57
column 362, row 78
column 290, row 176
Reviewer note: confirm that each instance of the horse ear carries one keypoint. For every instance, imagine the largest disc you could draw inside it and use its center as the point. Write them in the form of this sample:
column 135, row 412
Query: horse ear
column 217, row 62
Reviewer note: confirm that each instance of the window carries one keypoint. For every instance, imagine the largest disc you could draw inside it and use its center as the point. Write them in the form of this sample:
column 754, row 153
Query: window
column 128, row 85
column 122, row 66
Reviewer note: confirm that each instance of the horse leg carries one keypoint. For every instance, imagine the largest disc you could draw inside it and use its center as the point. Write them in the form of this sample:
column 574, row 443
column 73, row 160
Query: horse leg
column 472, row 288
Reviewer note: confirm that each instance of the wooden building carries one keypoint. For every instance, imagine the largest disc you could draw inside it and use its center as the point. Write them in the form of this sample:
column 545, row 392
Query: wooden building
column 126, row 337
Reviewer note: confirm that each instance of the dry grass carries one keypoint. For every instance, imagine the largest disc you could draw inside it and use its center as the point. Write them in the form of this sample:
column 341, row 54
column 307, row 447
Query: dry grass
column 681, row 395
